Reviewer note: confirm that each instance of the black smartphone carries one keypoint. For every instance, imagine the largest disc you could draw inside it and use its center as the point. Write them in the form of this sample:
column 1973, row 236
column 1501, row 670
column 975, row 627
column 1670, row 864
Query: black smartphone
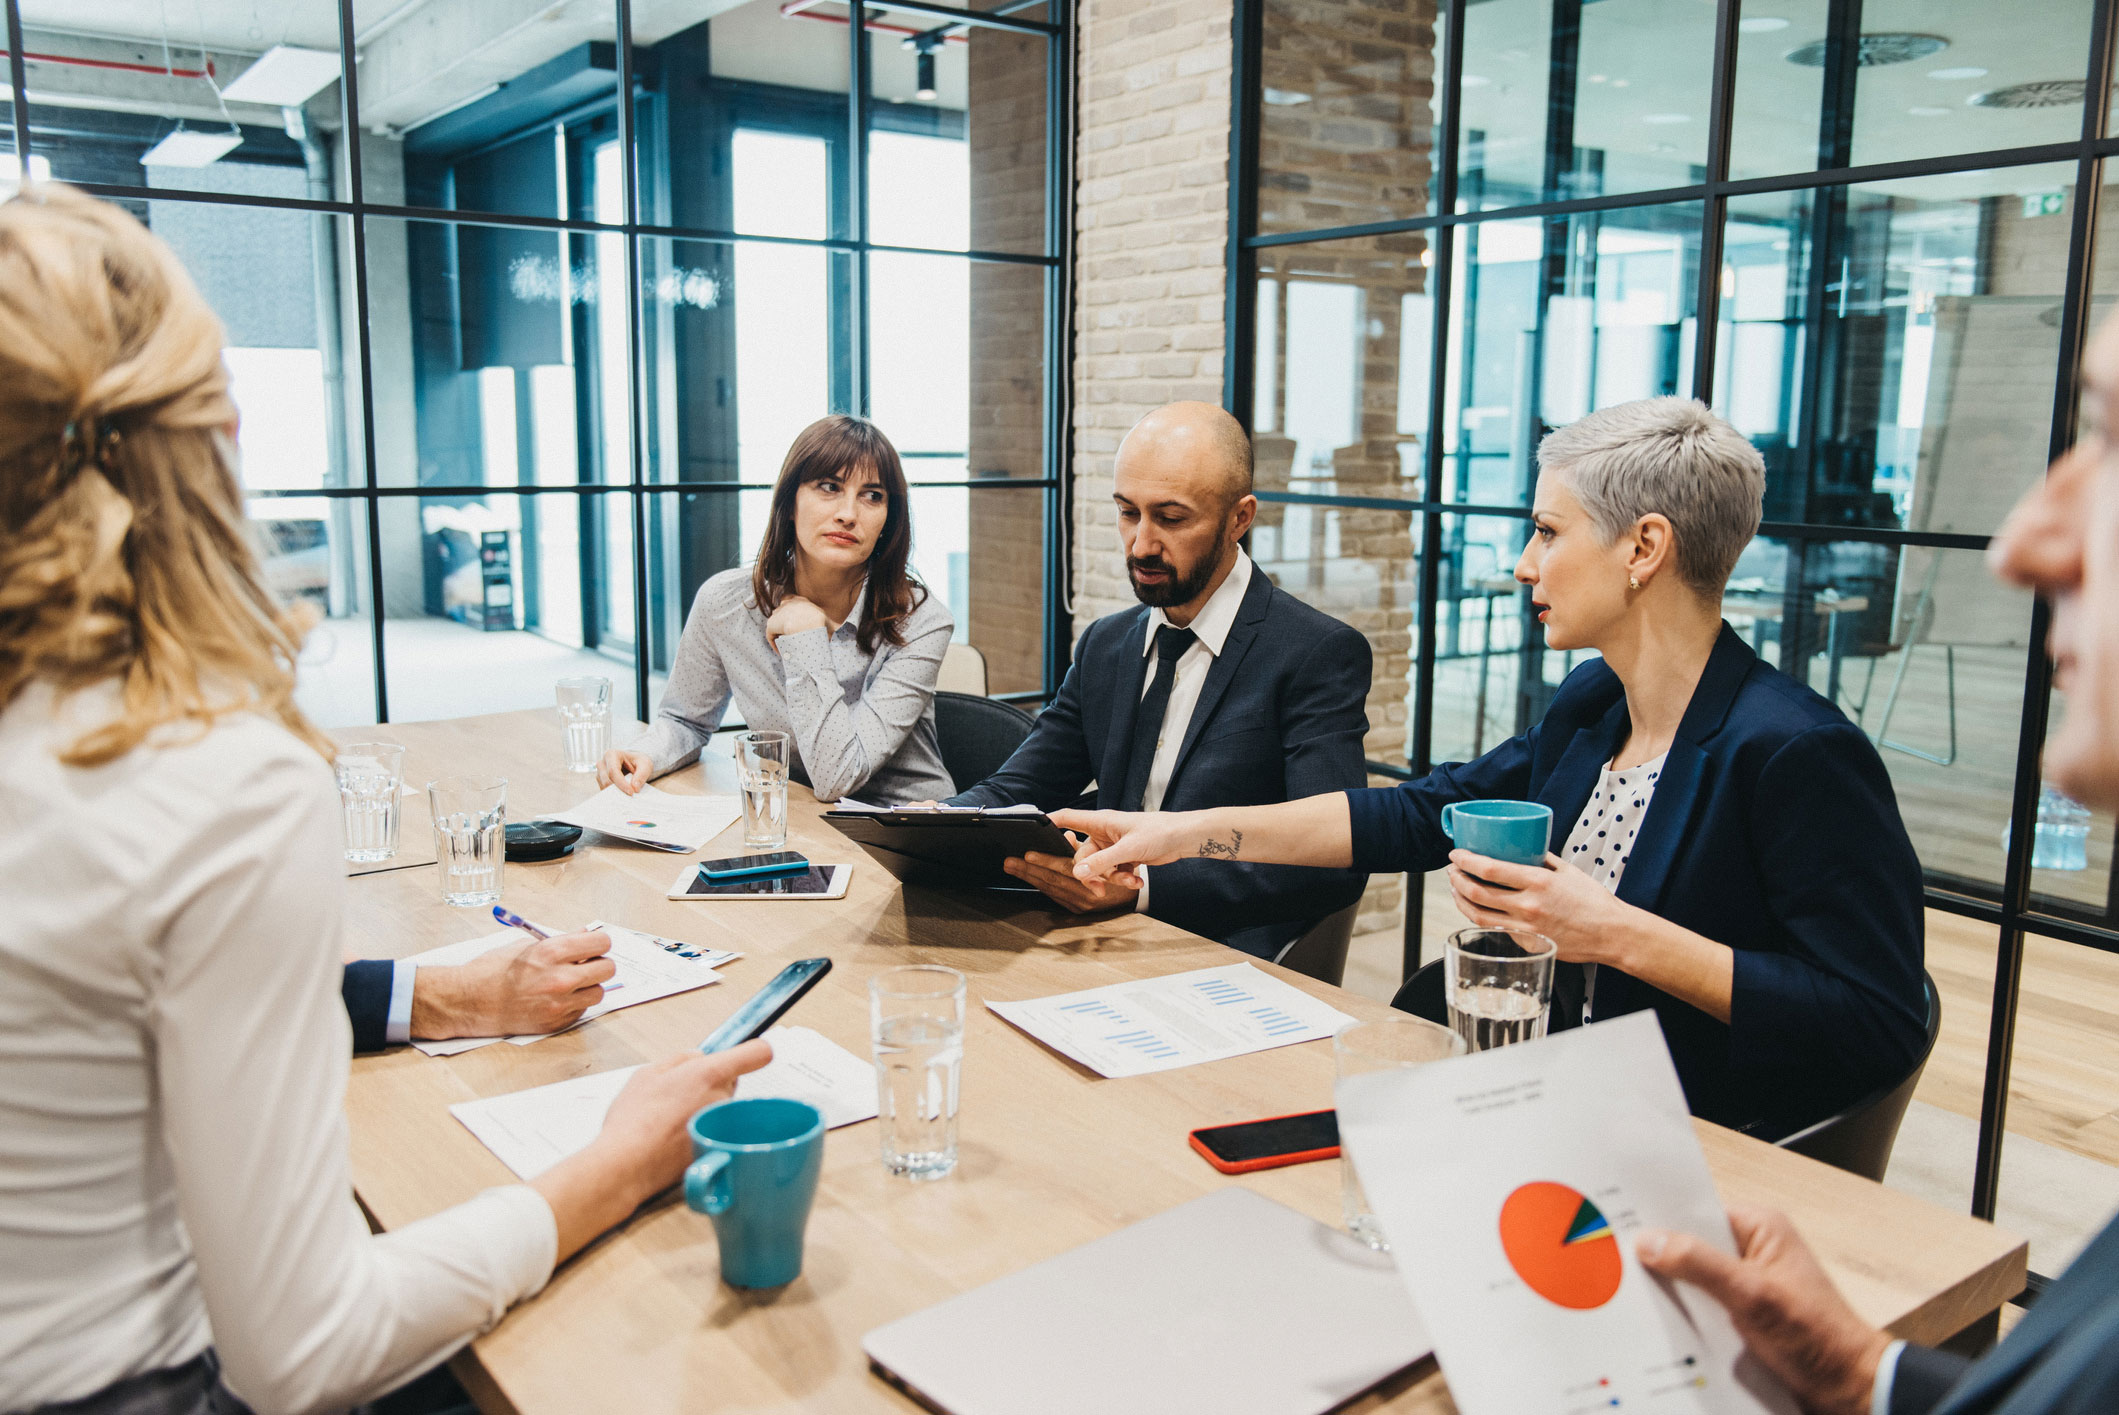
column 768, row 1004
column 780, row 862
column 1269, row 1144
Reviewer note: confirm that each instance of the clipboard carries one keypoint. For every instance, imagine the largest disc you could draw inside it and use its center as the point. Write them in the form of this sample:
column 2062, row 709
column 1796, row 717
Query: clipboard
column 953, row 849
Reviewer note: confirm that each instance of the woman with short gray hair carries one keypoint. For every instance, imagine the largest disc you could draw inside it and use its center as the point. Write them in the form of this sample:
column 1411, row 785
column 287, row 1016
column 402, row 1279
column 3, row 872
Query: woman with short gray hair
column 1732, row 856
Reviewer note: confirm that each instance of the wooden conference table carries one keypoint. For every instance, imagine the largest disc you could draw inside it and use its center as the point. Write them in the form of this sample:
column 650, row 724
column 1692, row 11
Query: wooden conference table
column 1052, row 1155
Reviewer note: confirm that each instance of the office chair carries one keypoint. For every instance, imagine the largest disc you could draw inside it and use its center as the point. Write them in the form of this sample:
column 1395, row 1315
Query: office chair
column 1320, row 952
column 976, row 735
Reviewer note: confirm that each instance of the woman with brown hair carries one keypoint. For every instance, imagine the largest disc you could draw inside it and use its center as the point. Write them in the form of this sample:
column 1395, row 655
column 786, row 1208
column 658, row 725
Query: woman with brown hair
column 827, row 638
column 177, row 1229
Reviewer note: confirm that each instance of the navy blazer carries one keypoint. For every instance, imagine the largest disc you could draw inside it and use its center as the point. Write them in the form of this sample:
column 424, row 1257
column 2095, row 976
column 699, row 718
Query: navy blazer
column 1282, row 715
column 1773, row 829
column 2061, row 1359
column 365, row 989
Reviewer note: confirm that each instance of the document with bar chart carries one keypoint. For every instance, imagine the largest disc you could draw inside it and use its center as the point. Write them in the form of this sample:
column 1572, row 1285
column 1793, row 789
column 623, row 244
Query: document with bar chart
column 1160, row 1024
column 1511, row 1185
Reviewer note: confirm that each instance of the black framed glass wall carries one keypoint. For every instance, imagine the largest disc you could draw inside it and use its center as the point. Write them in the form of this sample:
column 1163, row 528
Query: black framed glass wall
column 523, row 319
column 1864, row 233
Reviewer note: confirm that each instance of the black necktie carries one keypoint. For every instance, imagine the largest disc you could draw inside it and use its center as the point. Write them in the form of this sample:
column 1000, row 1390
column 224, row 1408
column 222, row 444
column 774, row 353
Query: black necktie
column 1170, row 646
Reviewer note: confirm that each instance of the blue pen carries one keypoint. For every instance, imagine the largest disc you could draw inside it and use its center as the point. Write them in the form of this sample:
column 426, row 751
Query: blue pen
column 517, row 921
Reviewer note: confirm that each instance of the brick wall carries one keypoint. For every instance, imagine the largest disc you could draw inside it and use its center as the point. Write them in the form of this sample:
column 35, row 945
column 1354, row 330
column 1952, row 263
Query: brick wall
column 1151, row 217
column 1006, row 138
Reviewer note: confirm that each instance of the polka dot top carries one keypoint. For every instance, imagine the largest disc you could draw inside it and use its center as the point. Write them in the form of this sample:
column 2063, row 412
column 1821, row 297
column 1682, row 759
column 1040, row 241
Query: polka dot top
column 1602, row 840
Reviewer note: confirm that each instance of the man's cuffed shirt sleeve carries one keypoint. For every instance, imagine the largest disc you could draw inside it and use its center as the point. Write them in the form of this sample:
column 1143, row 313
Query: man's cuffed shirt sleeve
column 398, row 1029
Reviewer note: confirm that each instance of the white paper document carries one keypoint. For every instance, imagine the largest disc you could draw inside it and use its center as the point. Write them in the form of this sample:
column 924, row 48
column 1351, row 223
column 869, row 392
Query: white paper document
column 1511, row 1185
column 655, row 818
column 850, row 806
column 649, row 967
column 1159, row 1024
column 533, row 1130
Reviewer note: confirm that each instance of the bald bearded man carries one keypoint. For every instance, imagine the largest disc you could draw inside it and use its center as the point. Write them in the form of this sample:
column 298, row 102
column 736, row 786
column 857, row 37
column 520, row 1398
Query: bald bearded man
column 1221, row 690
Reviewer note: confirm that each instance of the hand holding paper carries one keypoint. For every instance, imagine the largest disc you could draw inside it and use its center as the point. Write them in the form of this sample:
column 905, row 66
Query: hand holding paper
column 1512, row 1184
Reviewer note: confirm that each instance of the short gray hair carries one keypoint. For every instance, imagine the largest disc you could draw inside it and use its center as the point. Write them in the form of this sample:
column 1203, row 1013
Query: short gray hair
column 1671, row 456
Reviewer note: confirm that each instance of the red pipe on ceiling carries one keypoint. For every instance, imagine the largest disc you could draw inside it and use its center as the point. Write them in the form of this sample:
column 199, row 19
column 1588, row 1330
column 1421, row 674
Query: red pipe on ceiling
column 157, row 70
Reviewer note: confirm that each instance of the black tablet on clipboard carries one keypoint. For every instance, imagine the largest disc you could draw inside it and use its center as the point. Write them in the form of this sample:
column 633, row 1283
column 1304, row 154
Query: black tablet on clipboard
column 960, row 849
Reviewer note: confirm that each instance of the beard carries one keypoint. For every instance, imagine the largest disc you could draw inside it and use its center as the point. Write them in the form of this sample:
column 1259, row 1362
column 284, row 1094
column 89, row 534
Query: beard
column 1178, row 589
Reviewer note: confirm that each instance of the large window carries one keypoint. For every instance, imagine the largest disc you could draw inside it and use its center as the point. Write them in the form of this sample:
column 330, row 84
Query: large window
column 1864, row 233
column 522, row 321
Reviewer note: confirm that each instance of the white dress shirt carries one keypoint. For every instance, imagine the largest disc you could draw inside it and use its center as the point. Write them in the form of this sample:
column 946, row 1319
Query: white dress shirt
column 1212, row 624
column 173, row 1061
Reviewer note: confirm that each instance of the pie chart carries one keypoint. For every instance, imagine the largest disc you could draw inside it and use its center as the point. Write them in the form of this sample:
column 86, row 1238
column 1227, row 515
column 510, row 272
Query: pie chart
column 1561, row 1245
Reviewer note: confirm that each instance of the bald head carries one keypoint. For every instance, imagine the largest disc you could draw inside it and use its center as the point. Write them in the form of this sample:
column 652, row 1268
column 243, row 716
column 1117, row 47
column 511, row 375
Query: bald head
column 1196, row 445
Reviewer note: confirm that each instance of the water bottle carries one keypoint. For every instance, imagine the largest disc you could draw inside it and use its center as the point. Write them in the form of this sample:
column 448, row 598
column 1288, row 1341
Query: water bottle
column 2063, row 835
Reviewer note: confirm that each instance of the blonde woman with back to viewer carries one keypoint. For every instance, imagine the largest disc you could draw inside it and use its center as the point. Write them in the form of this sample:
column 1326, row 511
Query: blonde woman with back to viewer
column 177, row 1230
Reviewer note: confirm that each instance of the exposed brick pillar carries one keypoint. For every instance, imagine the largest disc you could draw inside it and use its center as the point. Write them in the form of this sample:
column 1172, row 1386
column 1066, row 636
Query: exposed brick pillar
column 1006, row 134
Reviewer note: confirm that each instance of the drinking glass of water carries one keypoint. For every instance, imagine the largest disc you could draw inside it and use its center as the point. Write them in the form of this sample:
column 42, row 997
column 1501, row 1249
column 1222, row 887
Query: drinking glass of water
column 585, row 717
column 1499, row 985
column 916, row 1022
column 370, row 778
column 1364, row 1048
column 761, row 763
column 470, row 828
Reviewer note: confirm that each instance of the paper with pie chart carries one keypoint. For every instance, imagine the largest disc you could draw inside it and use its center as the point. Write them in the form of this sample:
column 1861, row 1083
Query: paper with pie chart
column 661, row 820
column 1511, row 1184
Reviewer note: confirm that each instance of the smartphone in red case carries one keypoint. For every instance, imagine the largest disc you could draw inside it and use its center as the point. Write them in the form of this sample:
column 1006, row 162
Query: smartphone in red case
column 1271, row 1143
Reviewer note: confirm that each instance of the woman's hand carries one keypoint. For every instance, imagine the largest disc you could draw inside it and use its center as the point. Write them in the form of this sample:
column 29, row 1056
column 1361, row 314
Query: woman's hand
column 643, row 1147
column 628, row 771
column 1112, row 842
column 1556, row 899
column 795, row 615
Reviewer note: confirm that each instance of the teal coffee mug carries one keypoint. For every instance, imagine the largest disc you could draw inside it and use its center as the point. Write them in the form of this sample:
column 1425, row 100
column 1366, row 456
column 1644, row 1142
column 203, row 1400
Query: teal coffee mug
column 1516, row 831
column 755, row 1176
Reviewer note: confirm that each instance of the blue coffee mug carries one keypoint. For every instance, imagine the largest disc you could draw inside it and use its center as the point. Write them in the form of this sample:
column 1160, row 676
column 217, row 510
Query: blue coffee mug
column 1516, row 831
column 755, row 1177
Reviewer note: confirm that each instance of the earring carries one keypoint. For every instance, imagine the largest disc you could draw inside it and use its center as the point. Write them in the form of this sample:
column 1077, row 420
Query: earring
column 1632, row 583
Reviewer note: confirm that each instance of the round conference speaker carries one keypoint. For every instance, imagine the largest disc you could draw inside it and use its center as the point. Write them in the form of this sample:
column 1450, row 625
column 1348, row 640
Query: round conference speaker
column 541, row 840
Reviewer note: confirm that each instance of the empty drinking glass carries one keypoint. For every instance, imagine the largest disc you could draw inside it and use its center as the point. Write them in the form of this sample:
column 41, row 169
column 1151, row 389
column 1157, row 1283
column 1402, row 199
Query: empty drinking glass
column 916, row 1023
column 1360, row 1048
column 371, row 776
column 585, row 719
column 470, row 828
column 761, row 763
column 1499, row 985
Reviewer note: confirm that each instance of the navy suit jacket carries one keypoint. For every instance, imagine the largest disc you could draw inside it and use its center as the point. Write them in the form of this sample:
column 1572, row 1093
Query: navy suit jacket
column 1282, row 715
column 2062, row 1359
column 365, row 989
column 1773, row 829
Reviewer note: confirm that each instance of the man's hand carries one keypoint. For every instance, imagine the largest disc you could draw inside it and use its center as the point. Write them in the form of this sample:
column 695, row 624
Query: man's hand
column 795, row 615
column 1782, row 1304
column 628, row 771
column 1053, row 875
column 541, row 986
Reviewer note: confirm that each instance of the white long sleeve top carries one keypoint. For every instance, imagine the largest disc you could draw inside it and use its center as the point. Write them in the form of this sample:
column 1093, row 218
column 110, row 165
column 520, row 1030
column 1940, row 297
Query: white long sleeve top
column 860, row 723
column 173, row 1061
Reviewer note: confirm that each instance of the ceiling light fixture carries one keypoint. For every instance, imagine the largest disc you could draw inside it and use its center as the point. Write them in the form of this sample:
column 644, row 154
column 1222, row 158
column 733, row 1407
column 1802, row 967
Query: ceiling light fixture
column 1476, row 81
column 284, row 77
column 1969, row 71
column 185, row 148
column 1761, row 24
column 1285, row 97
column 1664, row 120
column 2046, row 93
column 1925, row 112
column 923, row 46
column 1875, row 50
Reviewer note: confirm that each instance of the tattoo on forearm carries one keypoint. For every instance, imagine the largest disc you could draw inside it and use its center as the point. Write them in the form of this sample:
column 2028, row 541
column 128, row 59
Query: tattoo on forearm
column 1230, row 849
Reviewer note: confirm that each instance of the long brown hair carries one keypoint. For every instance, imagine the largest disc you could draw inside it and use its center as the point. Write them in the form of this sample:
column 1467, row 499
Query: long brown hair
column 837, row 447
column 124, row 552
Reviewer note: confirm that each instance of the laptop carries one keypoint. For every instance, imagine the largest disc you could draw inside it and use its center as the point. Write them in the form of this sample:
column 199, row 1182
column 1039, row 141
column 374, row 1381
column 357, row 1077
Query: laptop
column 1228, row 1305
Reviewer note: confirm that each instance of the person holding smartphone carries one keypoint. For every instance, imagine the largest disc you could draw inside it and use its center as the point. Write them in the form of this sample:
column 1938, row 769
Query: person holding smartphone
column 177, row 1227
column 827, row 638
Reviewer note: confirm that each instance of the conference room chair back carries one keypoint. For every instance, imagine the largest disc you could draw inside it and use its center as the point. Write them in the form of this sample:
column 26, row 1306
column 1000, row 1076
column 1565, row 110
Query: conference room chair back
column 963, row 671
column 976, row 735
column 1859, row 1138
column 1321, row 951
